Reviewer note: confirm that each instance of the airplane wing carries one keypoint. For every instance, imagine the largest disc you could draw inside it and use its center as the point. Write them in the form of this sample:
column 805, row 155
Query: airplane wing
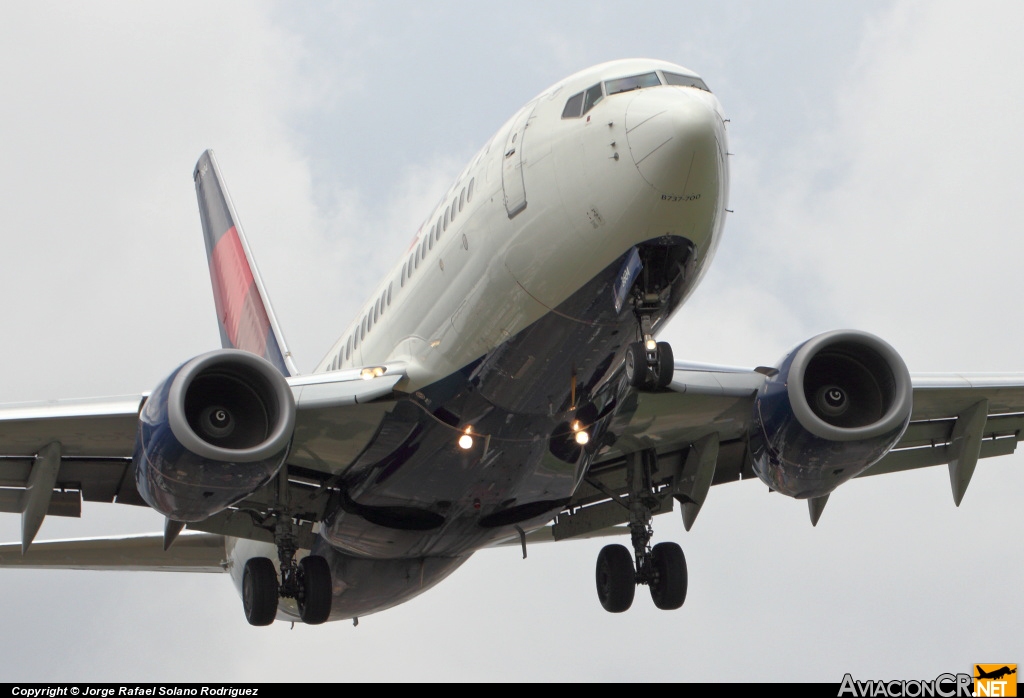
column 55, row 455
column 697, row 429
column 192, row 552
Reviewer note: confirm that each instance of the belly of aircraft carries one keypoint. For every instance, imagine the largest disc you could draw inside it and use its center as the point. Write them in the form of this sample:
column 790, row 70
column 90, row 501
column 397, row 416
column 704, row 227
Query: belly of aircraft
column 416, row 492
column 539, row 337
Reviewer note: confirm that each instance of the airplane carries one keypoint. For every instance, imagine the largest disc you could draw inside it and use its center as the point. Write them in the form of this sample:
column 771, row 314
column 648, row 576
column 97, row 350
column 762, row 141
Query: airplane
column 509, row 392
column 994, row 674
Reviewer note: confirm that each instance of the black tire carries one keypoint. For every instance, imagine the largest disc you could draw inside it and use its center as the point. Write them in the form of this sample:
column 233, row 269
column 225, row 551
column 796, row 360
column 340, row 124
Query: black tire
column 259, row 591
column 666, row 365
column 317, row 590
column 636, row 365
column 616, row 579
column 668, row 587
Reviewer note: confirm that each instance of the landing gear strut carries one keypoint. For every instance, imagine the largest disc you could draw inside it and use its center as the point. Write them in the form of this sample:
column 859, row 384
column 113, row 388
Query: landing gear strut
column 649, row 364
column 662, row 568
column 308, row 581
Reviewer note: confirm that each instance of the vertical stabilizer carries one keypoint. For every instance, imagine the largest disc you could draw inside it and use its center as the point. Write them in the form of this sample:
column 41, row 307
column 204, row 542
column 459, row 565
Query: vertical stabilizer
column 244, row 315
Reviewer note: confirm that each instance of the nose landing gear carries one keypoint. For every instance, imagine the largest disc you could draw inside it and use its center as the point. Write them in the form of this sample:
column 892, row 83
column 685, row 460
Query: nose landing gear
column 662, row 568
column 649, row 364
column 649, row 370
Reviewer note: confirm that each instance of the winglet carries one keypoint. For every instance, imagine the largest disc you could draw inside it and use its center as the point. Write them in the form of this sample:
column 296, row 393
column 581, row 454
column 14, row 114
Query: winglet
column 244, row 315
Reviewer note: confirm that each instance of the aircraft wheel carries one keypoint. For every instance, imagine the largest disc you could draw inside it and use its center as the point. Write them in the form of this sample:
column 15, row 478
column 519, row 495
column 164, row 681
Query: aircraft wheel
column 636, row 365
column 616, row 580
column 666, row 364
column 259, row 591
column 668, row 585
column 317, row 591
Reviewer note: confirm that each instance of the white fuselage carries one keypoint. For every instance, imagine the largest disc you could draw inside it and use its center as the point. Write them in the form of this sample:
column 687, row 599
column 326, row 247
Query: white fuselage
column 547, row 206
column 487, row 275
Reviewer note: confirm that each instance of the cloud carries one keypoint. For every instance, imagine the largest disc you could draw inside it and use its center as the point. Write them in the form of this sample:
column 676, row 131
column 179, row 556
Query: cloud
column 874, row 187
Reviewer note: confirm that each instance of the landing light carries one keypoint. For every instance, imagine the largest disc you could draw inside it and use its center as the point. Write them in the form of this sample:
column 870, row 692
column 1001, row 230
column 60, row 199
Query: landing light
column 582, row 438
column 466, row 440
column 371, row 373
column 652, row 345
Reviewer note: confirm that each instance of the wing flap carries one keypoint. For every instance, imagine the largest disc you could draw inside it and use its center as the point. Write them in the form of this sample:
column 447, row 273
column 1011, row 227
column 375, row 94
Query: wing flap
column 191, row 552
column 913, row 458
column 940, row 402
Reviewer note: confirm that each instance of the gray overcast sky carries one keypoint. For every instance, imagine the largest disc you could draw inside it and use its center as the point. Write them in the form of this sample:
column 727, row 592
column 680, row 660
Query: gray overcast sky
column 876, row 184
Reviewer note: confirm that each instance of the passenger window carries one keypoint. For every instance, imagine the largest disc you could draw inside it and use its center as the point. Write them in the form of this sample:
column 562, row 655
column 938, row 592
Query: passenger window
column 411, row 265
column 469, row 194
column 423, row 248
column 573, row 107
column 462, row 198
column 686, row 81
column 417, row 264
column 438, row 228
column 348, row 349
column 633, row 82
column 593, row 96
column 454, row 208
column 447, row 212
column 389, row 293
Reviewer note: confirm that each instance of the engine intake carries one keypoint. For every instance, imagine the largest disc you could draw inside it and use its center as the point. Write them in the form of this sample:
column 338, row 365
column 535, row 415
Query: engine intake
column 839, row 402
column 212, row 433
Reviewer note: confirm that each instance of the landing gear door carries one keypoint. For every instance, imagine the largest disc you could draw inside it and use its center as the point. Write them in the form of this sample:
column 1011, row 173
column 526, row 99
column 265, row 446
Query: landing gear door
column 512, row 163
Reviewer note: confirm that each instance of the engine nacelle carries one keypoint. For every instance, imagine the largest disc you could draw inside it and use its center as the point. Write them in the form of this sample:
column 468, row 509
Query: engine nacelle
column 212, row 433
column 839, row 402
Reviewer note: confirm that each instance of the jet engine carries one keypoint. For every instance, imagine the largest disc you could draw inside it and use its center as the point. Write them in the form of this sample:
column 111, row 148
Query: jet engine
column 212, row 433
column 837, row 404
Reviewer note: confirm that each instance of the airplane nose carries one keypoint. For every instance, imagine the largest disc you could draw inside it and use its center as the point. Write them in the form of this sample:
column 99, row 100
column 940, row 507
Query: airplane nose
column 673, row 139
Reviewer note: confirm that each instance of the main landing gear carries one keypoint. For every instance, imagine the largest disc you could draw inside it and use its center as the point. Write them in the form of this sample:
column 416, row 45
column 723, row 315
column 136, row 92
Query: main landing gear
column 662, row 568
column 649, row 364
column 308, row 581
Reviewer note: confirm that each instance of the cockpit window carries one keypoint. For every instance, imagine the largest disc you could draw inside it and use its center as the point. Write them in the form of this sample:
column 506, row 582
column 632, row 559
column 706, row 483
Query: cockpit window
column 686, row 81
column 593, row 96
column 573, row 108
column 582, row 102
column 633, row 82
